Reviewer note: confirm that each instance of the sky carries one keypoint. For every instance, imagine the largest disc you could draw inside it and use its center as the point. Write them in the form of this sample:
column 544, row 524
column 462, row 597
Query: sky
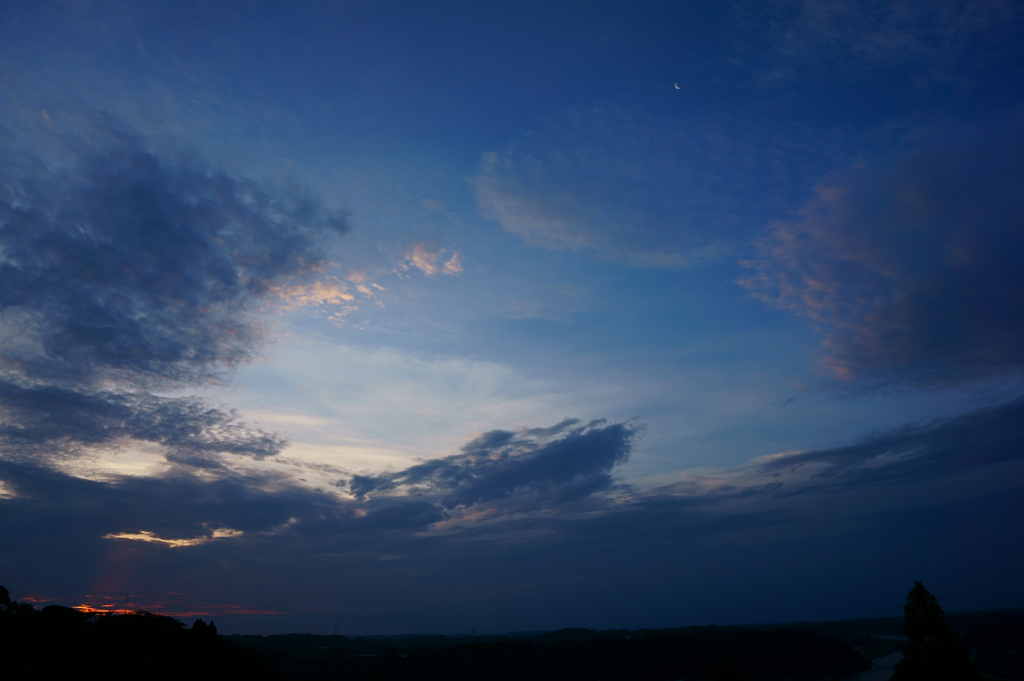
column 400, row 317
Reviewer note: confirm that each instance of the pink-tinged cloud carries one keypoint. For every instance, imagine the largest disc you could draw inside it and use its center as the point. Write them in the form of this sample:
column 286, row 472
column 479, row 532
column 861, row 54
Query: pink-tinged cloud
column 432, row 264
column 911, row 268
column 453, row 266
column 331, row 291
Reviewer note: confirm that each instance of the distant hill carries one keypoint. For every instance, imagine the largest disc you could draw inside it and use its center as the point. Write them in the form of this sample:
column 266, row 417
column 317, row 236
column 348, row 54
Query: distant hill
column 796, row 650
column 63, row 643
column 570, row 654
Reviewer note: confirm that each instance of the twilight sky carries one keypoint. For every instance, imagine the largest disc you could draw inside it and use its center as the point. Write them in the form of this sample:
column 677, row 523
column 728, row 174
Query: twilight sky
column 425, row 317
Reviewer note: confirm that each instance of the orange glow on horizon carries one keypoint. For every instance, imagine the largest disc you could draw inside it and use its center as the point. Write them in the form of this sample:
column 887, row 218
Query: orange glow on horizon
column 171, row 611
column 90, row 610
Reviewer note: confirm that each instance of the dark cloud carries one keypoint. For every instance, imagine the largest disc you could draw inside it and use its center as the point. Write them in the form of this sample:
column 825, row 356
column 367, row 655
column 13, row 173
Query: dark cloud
column 143, row 269
column 911, row 268
column 915, row 452
column 563, row 463
column 125, row 270
column 179, row 505
column 45, row 422
column 535, row 470
column 841, row 36
column 660, row 557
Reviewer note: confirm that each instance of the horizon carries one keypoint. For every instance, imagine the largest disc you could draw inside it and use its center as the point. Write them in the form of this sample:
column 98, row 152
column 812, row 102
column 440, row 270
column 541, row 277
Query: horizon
column 511, row 316
column 475, row 634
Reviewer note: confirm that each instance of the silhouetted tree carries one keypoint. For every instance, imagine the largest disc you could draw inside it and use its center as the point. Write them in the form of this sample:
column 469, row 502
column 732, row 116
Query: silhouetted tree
column 9, row 608
column 201, row 628
column 932, row 654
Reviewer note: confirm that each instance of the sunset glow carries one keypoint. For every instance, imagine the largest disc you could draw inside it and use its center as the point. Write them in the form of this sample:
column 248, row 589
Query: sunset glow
column 145, row 536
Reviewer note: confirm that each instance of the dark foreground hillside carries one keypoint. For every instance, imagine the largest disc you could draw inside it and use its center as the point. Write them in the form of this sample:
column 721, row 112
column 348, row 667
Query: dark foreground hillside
column 700, row 653
column 63, row 643
column 819, row 650
column 997, row 648
column 994, row 638
column 59, row 642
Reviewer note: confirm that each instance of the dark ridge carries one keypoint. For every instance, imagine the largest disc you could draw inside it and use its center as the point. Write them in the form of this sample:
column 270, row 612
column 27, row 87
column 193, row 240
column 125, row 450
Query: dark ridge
column 64, row 643
column 570, row 654
column 766, row 651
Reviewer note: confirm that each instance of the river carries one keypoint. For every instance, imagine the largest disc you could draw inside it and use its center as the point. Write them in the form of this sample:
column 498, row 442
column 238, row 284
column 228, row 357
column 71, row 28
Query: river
column 882, row 671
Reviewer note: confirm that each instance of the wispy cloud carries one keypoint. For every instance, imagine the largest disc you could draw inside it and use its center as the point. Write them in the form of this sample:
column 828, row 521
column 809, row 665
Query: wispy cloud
column 556, row 303
column 646, row 191
column 810, row 34
column 913, row 452
column 910, row 266
column 563, row 471
column 44, row 422
column 146, row 536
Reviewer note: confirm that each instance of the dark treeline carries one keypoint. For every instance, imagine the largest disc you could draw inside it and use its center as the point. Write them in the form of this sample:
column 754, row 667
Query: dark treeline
column 838, row 649
column 60, row 642
column 64, row 643
column 692, row 653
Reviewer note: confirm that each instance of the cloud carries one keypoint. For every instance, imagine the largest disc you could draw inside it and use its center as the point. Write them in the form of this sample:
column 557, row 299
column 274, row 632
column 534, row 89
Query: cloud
column 644, row 190
column 538, row 512
column 914, row 452
column 331, row 291
column 45, row 422
column 502, row 485
column 882, row 32
column 145, row 536
column 910, row 267
column 555, row 303
column 183, row 504
column 126, row 270
column 566, row 462
column 431, row 263
column 453, row 265
column 526, row 471
column 243, row 510
column 140, row 268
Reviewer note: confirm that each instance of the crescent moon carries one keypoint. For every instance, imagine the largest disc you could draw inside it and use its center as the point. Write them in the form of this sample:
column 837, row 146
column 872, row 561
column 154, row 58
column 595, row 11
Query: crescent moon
column 677, row 86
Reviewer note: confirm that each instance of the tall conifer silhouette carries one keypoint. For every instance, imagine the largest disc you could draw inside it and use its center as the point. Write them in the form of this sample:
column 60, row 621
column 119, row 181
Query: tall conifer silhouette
column 932, row 653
